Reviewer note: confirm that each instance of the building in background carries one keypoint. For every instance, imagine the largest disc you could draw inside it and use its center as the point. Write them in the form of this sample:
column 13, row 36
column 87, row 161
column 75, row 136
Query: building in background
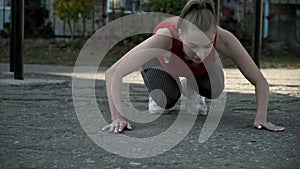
column 281, row 17
column 4, row 13
column 128, row 6
column 284, row 20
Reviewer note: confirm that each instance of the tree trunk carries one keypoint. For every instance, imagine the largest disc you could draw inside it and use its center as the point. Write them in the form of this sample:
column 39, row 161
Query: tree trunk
column 71, row 30
column 84, row 34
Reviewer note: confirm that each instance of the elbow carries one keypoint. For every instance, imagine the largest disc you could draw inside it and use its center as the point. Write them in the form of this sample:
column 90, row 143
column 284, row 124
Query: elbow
column 263, row 83
column 112, row 75
column 108, row 73
column 266, row 84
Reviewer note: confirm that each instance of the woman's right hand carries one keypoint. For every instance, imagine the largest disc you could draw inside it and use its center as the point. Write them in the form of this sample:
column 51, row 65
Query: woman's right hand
column 117, row 126
column 268, row 126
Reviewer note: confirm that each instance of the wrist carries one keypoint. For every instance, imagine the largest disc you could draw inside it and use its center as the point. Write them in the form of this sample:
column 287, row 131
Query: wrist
column 116, row 117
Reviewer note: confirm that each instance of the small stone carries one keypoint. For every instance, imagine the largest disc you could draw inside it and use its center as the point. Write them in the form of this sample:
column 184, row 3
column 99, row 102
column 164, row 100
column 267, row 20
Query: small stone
column 134, row 163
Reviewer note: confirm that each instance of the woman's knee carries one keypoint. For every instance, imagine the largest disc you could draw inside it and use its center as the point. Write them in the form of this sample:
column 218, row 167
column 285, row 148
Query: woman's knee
column 217, row 84
column 217, row 90
column 211, row 90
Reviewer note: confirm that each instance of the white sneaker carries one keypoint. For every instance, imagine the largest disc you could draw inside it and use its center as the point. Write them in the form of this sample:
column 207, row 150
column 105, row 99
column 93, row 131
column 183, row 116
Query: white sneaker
column 190, row 102
column 195, row 106
column 193, row 103
column 156, row 109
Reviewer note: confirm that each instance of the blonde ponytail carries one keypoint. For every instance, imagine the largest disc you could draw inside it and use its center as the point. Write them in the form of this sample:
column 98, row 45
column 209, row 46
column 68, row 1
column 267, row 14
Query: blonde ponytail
column 200, row 13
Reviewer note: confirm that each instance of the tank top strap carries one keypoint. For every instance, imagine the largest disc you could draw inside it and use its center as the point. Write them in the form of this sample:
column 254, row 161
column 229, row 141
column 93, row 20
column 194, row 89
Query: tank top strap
column 215, row 39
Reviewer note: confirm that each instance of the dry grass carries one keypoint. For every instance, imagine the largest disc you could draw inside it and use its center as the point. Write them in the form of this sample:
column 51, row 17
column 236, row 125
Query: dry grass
column 40, row 51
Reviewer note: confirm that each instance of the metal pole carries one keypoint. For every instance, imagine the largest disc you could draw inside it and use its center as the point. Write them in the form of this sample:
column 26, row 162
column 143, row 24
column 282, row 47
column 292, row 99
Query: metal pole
column 4, row 13
column 12, row 41
column 17, row 36
column 257, row 40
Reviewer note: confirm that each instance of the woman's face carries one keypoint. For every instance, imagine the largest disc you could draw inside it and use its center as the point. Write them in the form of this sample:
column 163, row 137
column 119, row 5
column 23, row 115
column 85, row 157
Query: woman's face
column 197, row 45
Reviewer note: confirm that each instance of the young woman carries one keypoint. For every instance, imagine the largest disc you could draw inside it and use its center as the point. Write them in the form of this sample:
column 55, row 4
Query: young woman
column 197, row 50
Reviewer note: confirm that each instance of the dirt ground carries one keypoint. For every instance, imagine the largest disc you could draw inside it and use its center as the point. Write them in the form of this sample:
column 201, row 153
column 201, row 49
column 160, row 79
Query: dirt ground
column 39, row 127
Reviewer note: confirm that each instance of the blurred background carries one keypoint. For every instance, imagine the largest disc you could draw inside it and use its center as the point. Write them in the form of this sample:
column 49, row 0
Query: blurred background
column 56, row 30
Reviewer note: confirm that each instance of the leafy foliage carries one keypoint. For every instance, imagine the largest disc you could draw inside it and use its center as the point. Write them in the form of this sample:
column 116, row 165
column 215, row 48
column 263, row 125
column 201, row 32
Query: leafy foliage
column 5, row 33
column 35, row 20
column 70, row 11
column 165, row 6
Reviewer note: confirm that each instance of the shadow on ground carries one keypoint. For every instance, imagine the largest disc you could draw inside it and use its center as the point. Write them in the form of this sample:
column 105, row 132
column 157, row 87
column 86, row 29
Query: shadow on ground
column 39, row 129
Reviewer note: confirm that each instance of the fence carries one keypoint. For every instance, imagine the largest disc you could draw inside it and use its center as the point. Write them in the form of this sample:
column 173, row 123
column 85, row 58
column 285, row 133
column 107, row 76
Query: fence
column 283, row 18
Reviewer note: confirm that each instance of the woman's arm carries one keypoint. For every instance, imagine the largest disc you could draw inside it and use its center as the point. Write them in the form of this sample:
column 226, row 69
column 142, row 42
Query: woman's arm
column 131, row 61
column 229, row 45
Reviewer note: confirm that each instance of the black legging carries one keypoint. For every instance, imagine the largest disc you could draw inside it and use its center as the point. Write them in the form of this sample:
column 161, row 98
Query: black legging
column 155, row 77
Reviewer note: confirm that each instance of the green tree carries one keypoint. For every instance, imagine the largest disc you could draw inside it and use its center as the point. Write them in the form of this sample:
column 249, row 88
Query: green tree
column 166, row 6
column 86, row 11
column 70, row 11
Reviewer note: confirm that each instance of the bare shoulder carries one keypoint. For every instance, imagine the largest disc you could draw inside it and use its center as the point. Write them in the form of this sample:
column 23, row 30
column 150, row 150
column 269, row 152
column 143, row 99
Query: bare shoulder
column 173, row 19
column 223, row 36
column 162, row 39
column 223, row 32
column 164, row 31
column 224, row 39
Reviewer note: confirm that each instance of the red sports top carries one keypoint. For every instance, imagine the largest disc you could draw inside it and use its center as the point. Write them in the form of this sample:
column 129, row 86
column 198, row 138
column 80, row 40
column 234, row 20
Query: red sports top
column 174, row 65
